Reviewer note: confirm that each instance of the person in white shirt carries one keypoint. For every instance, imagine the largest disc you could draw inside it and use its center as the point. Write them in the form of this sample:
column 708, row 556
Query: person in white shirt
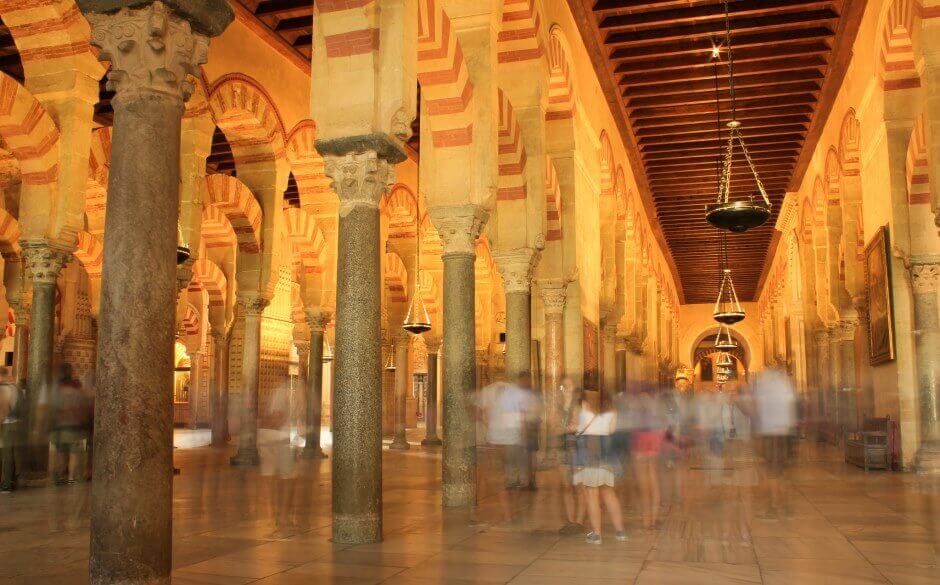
column 597, row 467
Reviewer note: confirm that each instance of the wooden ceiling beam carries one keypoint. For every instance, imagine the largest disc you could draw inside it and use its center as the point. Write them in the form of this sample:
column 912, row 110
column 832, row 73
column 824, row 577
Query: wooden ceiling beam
column 711, row 145
column 707, row 13
column 793, row 63
column 749, row 133
column 764, row 92
column 757, row 80
column 700, row 60
column 707, row 130
column 704, row 46
column 655, row 112
column 295, row 23
column 747, row 117
column 279, row 7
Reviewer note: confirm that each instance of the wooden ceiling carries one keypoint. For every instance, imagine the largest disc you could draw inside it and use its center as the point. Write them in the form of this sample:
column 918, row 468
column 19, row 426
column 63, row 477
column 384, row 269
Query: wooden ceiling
column 292, row 20
column 656, row 64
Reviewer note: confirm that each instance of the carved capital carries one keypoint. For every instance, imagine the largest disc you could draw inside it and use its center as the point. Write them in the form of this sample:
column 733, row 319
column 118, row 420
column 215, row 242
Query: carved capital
column 459, row 227
column 925, row 277
column 822, row 336
column 152, row 50
column 318, row 319
column 303, row 346
column 252, row 303
column 553, row 295
column 44, row 261
column 359, row 178
column 516, row 267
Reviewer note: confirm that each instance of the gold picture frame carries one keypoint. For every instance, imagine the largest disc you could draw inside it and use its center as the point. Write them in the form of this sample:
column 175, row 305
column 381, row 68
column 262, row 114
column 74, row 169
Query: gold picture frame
column 880, row 300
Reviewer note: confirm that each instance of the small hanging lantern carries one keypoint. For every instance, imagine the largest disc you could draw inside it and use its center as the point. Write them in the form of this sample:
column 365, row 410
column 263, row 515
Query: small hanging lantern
column 724, row 341
column 418, row 320
column 727, row 309
column 725, row 372
column 724, row 361
column 390, row 362
column 721, row 378
column 182, row 248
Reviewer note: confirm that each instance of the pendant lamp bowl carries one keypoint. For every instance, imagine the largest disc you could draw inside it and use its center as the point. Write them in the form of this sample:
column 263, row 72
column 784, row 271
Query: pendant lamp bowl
column 182, row 254
column 724, row 361
column 726, row 345
column 728, row 317
column 738, row 216
column 416, row 328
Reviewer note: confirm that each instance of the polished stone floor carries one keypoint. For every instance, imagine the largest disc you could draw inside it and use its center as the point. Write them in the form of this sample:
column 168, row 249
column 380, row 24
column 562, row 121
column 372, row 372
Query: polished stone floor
column 836, row 525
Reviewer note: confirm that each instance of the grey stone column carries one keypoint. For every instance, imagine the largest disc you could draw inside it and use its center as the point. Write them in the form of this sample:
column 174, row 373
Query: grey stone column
column 359, row 179
column 218, row 387
column 430, row 408
column 132, row 491
column 317, row 320
column 835, row 375
column 399, row 441
column 553, row 302
column 823, row 375
column 195, row 381
column 252, row 305
column 516, row 269
column 848, row 393
column 925, row 280
column 44, row 263
column 609, row 360
column 459, row 228
column 21, row 346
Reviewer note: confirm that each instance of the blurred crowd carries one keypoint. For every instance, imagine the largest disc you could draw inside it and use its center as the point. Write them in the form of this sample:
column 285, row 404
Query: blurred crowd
column 636, row 443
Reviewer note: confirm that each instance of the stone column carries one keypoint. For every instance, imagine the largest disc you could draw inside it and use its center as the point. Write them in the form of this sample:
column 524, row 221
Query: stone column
column 218, row 388
column 553, row 302
column 823, row 374
column 252, row 306
column 516, row 269
column 132, row 491
column 317, row 320
column 399, row 441
column 21, row 345
column 359, row 179
column 44, row 262
column 835, row 374
column 459, row 227
column 430, row 409
column 848, row 392
column 609, row 360
column 925, row 280
column 865, row 382
column 195, row 380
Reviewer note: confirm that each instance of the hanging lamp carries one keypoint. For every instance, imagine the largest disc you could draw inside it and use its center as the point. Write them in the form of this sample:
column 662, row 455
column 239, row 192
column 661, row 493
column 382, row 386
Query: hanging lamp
column 418, row 320
column 724, row 341
column 744, row 214
column 727, row 309
column 390, row 362
column 724, row 360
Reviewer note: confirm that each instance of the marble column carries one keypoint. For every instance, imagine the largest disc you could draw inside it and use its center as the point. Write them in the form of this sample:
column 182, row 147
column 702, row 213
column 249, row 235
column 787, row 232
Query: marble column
column 609, row 360
column 459, row 228
column 430, row 407
column 553, row 302
column 252, row 306
column 823, row 375
column 218, row 388
column 925, row 280
column 359, row 179
column 399, row 441
column 21, row 346
column 195, row 381
column 44, row 263
column 516, row 269
column 132, row 491
column 317, row 320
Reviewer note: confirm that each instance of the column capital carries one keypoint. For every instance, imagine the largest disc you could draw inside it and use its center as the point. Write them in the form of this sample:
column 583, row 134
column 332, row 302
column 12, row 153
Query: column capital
column 318, row 319
column 302, row 345
column 44, row 261
column 217, row 334
column 153, row 49
column 553, row 295
column 516, row 268
column 925, row 275
column 253, row 303
column 459, row 227
column 359, row 178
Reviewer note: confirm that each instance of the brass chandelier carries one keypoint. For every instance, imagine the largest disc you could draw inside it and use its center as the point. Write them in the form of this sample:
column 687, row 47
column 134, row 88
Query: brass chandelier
column 418, row 320
column 727, row 310
column 743, row 214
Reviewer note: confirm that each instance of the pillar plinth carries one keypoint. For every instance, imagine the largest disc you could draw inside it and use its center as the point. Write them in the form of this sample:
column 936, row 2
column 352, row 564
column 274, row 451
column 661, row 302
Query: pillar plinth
column 925, row 278
column 252, row 306
column 516, row 269
column 399, row 441
column 430, row 406
column 218, row 389
column 459, row 227
column 359, row 180
column 152, row 51
column 317, row 320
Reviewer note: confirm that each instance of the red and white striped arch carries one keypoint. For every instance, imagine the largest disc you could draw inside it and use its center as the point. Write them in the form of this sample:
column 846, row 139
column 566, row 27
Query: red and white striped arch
column 445, row 83
column 216, row 229
column 9, row 234
column 50, row 33
column 247, row 115
column 518, row 38
column 401, row 205
column 189, row 325
column 90, row 253
column 212, row 279
column 552, row 202
column 29, row 133
column 306, row 163
column 512, row 155
column 918, row 180
column 606, row 159
column 560, row 87
column 238, row 204
column 850, row 144
column 396, row 278
column 306, row 239
column 898, row 68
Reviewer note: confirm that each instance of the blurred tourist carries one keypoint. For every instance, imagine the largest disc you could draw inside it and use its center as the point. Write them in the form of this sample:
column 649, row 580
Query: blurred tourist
column 505, row 407
column 571, row 498
column 647, row 444
column 774, row 425
column 71, row 426
column 597, row 468
column 277, row 457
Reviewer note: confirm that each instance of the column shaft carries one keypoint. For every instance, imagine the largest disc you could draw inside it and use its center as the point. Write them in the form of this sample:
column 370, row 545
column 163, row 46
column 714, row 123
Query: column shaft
column 399, row 441
column 219, row 390
column 554, row 371
column 430, row 409
column 253, row 306
column 518, row 335
column 195, row 381
column 21, row 350
column 312, row 448
column 925, row 279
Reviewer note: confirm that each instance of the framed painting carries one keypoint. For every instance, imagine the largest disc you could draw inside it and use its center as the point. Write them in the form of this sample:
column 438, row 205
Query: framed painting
column 880, row 301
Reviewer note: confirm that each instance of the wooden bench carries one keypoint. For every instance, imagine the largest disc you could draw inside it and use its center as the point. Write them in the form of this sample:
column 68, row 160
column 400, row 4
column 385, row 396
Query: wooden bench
column 869, row 448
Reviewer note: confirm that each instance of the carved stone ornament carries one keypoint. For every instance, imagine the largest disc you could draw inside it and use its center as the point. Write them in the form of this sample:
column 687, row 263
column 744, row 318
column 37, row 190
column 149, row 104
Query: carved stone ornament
column 822, row 335
column 459, row 227
column 925, row 278
column 553, row 295
column 253, row 303
column 359, row 179
column 318, row 319
column 45, row 262
column 516, row 267
column 151, row 50
column 401, row 125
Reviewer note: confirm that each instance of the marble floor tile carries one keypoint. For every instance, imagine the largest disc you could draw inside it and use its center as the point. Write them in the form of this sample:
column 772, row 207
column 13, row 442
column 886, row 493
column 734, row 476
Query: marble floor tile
column 685, row 573
column 898, row 553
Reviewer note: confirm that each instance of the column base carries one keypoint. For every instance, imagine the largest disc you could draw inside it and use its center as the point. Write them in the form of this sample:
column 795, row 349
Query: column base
column 927, row 460
column 245, row 457
column 313, row 453
column 459, row 496
column 431, row 442
column 399, row 444
column 357, row 529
